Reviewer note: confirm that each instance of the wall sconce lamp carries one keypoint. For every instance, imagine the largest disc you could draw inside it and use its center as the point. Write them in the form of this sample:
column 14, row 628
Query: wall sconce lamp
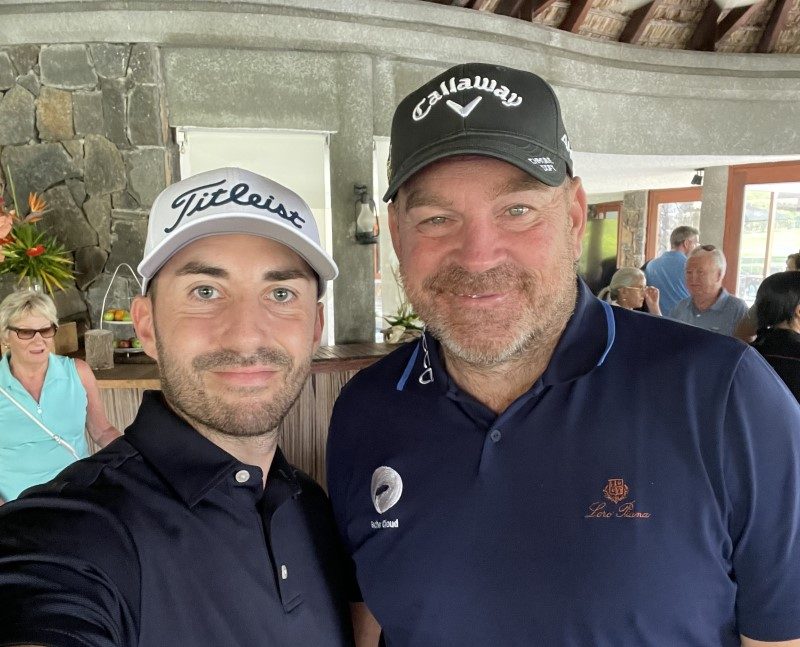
column 697, row 180
column 367, row 227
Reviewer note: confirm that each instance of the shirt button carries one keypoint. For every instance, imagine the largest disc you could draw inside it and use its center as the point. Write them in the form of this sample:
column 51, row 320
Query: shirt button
column 242, row 476
column 284, row 572
column 495, row 435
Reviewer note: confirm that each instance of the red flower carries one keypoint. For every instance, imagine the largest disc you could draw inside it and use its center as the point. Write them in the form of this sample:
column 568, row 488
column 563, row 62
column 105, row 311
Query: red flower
column 35, row 251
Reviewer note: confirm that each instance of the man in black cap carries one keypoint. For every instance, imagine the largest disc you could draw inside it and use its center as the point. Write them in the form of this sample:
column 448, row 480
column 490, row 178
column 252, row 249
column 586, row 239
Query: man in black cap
column 535, row 470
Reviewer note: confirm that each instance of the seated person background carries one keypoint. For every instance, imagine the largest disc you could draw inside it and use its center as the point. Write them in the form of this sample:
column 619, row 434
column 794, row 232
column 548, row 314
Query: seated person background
column 709, row 305
column 47, row 402
column 778, row 313
column 628, row 289
column 748, row 327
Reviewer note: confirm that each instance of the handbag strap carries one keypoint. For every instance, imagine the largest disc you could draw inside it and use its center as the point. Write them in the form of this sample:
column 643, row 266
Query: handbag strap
column 55, row 437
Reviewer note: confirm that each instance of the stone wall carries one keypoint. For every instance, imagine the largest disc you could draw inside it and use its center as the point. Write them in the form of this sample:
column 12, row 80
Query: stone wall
column 633, row 229
column 85, row 126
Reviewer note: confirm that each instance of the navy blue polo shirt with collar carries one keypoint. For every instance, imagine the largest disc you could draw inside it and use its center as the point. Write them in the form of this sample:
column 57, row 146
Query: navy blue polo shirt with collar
column 163, row 538
column 644, row 491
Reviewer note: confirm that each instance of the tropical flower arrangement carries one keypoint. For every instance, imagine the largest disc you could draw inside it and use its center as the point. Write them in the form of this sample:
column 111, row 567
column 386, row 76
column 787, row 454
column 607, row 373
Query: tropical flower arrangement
column 27, row 252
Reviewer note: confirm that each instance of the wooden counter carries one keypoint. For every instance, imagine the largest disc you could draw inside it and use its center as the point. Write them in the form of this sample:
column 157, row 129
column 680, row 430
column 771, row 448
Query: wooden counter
column 304, row 430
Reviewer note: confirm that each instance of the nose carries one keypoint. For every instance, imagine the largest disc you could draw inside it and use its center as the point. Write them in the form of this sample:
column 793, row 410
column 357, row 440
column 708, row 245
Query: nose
column 480, row 245
column 247, row 326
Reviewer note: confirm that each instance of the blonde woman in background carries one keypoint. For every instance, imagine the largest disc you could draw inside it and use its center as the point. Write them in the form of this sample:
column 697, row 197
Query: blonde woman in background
column 628, row 289
column 47, row 402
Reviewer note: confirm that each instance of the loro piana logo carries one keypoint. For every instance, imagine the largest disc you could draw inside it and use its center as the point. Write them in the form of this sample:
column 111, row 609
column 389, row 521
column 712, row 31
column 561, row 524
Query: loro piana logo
column 615, row 491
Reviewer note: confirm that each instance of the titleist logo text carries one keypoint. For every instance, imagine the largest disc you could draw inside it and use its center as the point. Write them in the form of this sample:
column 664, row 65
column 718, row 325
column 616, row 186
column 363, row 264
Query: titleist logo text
column 193, row 201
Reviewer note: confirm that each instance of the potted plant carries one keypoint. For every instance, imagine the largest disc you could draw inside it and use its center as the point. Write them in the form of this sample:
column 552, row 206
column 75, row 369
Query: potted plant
column 37, row 259
column 404, row 325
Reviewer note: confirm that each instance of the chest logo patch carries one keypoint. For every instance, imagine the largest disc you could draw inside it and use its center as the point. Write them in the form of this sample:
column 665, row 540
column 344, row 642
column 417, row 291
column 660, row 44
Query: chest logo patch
column 386, row 488
column 616, row 491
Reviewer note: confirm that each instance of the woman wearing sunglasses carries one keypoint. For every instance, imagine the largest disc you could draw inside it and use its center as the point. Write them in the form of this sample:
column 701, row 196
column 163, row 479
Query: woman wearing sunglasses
column 47, row 402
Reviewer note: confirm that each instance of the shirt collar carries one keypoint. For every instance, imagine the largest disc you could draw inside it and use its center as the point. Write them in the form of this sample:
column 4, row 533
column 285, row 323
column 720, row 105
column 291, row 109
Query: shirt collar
column 187, row 460
column 584, row 344
column 721, row 299
column 55, row 371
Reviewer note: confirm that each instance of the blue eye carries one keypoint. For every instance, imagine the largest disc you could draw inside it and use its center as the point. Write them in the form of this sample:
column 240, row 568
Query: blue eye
column 205, row 292
column 282, row 295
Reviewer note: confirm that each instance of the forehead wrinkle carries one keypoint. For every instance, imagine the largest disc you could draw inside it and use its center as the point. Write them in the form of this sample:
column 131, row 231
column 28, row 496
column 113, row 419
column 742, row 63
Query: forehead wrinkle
column 524, row 182
column 422, row 198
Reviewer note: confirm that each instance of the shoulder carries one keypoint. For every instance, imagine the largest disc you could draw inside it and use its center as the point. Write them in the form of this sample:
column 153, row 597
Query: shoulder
column 85, row 373
column 380, row 376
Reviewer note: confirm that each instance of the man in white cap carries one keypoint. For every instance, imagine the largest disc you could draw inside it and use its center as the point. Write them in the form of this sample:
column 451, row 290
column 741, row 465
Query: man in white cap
column 193, row 529
column 541, row 468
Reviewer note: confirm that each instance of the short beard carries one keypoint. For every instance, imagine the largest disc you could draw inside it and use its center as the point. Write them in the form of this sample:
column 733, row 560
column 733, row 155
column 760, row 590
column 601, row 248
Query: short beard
column 186, row 393
column 487, row 339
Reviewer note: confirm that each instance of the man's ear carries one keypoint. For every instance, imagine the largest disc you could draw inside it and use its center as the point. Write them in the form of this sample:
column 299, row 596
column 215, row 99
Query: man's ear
column 144, row 323
column 578, row 210
column 319, row 324
column 394, row 226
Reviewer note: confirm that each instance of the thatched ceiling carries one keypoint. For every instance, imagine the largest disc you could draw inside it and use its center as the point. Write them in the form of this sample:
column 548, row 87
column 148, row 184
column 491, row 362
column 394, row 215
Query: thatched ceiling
column 765, row 26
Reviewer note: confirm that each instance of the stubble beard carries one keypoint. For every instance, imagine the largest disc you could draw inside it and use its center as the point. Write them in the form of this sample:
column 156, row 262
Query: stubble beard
column 251, row 416
column 487, row 337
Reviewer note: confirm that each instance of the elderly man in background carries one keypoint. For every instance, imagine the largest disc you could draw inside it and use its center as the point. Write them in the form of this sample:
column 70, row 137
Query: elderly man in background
column 667, row 271
column 709, row 305
column 542, row 468
column 193, row 529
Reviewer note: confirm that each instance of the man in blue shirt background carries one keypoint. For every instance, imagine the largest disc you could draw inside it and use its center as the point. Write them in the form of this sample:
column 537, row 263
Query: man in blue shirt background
column 667, row 271
column 541, row 468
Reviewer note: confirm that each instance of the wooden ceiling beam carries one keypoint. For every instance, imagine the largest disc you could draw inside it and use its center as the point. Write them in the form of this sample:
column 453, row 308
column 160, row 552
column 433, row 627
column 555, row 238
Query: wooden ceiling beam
column 578, row 10
column 705, row 33
column 638, row 22
column 539, row 6
column 775, row 25
column 736, row 18
column 508, row 8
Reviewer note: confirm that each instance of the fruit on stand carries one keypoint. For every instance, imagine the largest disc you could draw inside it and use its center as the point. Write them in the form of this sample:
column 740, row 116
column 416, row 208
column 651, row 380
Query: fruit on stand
column 123, row 343
column 108, row 315
column 117, row 314
column 135, row 343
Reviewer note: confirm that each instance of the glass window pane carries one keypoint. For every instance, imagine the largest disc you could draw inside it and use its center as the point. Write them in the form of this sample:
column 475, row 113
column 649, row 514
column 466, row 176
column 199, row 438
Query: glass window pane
column 770, row 232
column 672, row 215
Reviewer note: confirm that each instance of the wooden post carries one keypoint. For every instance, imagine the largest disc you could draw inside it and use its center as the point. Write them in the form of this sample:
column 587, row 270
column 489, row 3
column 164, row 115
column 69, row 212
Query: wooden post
column 99, row 348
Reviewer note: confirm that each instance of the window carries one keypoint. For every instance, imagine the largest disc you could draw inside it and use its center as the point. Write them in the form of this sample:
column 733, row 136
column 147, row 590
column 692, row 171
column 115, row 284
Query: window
column 666, row 210
column 770, row 232
column 297, row 159
column 762, row 223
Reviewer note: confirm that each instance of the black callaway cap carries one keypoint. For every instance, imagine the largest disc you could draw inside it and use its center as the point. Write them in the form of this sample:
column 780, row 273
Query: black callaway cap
column 480, row 109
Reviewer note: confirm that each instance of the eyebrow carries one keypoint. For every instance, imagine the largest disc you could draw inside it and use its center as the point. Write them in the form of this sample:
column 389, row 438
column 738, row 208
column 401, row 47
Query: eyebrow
column 420, row 198
column 196, row 267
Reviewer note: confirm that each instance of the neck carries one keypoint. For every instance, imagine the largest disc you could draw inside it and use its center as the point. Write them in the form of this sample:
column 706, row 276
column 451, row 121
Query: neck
column 252, row 450
column 793, row 325
column 498, row 385
column 706, row 302
column 27, row 373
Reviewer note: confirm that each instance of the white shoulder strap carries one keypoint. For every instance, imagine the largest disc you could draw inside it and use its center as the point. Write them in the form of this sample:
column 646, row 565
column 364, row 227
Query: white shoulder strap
column 55, row 437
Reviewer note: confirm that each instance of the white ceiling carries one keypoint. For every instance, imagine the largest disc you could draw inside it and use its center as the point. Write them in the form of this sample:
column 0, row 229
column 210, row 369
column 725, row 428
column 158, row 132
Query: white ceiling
column 614, row 174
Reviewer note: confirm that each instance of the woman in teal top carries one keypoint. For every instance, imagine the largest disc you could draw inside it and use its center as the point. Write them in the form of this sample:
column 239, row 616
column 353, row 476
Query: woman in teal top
column 47, row 402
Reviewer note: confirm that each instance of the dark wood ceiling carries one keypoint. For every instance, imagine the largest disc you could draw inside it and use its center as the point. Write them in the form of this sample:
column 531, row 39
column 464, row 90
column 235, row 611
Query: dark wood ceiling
column 766, row 26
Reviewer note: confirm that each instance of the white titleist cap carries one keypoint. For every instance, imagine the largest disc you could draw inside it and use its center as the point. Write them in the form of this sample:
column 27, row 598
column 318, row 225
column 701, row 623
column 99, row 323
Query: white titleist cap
column 231, row 201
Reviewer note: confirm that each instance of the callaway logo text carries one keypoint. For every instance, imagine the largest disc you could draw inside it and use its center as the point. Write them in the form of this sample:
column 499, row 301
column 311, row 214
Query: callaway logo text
column 453, row 85
column 238, row 194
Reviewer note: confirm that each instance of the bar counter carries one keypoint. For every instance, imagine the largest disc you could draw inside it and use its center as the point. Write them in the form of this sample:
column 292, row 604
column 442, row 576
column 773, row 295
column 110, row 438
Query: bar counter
column 303, row 431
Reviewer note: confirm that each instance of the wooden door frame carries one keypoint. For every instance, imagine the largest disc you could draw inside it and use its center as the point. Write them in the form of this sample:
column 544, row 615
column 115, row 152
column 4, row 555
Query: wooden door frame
column 738, row 177
column 660, row 196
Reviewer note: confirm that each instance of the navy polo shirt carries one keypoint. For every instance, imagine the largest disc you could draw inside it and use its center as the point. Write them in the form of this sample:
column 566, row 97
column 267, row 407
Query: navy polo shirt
column 163, row 538
column 644, row 491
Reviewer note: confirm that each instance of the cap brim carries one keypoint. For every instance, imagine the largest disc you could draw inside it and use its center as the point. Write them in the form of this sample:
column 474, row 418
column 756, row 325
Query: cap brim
column 498, row 147
column 239, row 223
